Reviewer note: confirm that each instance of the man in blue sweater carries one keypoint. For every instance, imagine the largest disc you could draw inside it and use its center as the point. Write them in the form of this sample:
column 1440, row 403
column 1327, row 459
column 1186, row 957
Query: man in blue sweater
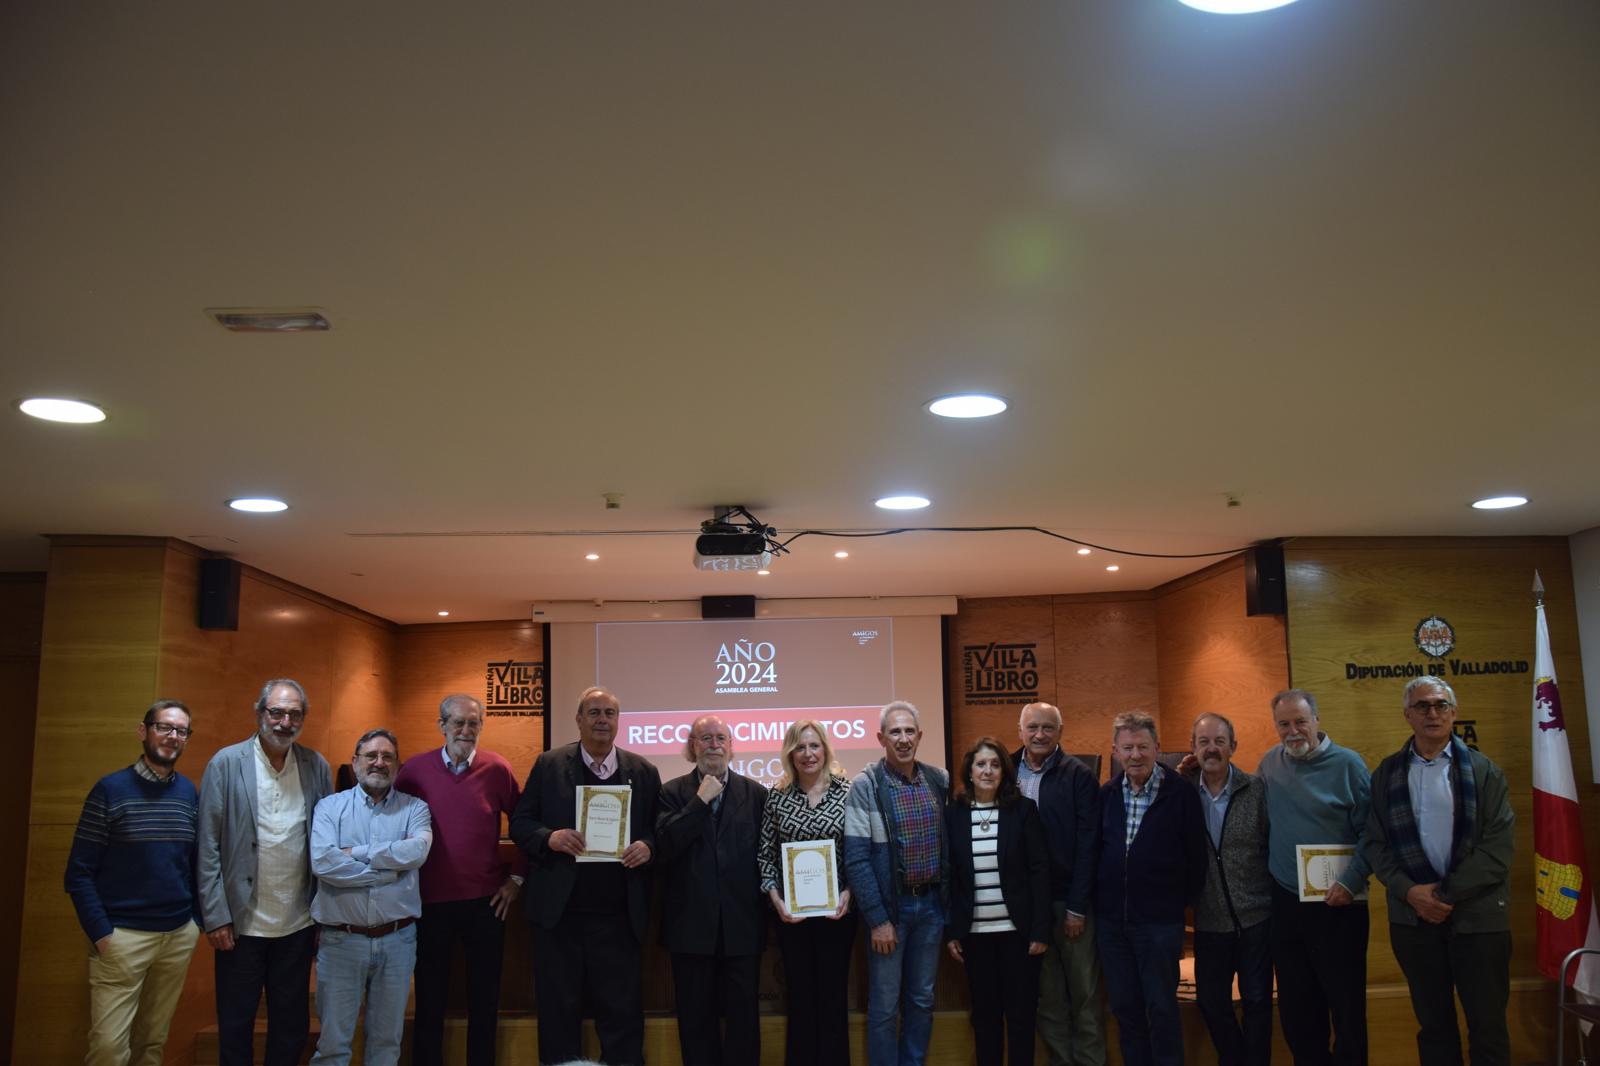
column 1152, row 865
column 1317, row 793
column 131, row 878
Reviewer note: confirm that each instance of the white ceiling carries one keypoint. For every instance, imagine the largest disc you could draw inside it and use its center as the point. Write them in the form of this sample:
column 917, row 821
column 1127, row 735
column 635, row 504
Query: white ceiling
column 1338, row 259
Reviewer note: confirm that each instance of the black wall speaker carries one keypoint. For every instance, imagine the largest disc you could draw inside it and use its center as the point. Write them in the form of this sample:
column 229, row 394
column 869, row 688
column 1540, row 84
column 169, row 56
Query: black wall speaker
column 727, row 606
column 1264, row 591
column 219, row 594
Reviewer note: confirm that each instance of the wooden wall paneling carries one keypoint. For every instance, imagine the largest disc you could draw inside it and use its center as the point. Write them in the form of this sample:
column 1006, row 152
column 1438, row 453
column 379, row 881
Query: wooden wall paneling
column 435, row 660
column 1105, row 659
column 984, row 631
column 1356, row 603
column 1211, row 656
column 21, row 632
column 97, row 672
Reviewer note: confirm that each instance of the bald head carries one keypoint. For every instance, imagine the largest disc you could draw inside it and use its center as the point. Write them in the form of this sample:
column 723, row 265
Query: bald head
column 1039, row 728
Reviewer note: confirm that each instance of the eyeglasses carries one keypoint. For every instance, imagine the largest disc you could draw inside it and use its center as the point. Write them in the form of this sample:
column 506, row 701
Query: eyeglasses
column 167, row 729
column 1432, row 706
column 377, row 756
column 278, row 714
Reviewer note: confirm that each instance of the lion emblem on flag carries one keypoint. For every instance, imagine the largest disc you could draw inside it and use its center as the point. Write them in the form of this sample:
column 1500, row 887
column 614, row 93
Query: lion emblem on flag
column 1547, row 705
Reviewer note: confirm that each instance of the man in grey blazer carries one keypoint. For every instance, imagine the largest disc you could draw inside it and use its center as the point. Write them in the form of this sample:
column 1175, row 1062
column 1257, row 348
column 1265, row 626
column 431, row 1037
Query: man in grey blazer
column 254, row 869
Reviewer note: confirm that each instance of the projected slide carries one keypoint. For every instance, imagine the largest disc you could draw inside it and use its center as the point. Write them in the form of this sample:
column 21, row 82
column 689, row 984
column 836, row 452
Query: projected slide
column 759, row 675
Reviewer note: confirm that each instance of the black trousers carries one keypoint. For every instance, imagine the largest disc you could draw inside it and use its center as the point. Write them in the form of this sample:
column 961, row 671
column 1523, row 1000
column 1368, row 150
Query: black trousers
column 1217, row 958
column 281, row 966
column 1475, row 966
column 1003, row 980
column 816, row 978
column 482, row 937
column 1320, row 953
column 593, row 959
column 713, row 992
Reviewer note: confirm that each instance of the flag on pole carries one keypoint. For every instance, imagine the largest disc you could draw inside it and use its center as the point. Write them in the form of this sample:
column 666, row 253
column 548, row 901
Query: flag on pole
column 1564, row 911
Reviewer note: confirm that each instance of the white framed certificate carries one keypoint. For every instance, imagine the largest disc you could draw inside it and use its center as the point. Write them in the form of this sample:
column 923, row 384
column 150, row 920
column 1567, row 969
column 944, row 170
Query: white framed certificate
column 811, row 878
column 1318, row 867
column 603, row 812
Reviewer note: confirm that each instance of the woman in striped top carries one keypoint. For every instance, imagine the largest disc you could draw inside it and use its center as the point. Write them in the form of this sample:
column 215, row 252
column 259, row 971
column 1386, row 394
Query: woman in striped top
column 808, row 804
column 999, row 902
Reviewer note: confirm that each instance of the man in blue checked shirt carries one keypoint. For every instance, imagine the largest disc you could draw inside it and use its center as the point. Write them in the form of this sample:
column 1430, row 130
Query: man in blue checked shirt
column 366, row 846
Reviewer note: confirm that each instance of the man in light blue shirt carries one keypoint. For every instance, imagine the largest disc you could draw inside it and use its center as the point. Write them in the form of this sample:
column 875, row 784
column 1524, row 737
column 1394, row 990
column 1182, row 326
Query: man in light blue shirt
column 366, row 846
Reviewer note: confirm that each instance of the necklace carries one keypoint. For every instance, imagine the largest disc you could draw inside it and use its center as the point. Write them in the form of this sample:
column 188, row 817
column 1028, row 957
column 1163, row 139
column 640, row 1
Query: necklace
column 985, row 816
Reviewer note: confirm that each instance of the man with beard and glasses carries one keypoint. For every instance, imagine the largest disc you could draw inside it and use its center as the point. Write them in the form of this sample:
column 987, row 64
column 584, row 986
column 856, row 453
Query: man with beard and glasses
column 131, row 878
column 467, row 890
column 897, row 864
column 255, row 881
column 366, row 847
column 1317, row 793
column 711, row 887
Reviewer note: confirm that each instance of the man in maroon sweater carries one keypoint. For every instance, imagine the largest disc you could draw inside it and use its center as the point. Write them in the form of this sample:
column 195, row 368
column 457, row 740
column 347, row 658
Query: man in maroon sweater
column 467, row 890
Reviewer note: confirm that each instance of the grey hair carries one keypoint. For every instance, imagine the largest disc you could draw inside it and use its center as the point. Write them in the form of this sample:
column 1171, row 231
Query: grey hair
column 1296, row 694
column 1422, row 682
column 454, row 698
column 594, row 690
column 282, row 682
column 1133, row 722
column 898, row 705
column 1052, row 708
column 172, row 705
column 1217, row 717
column 373, row 733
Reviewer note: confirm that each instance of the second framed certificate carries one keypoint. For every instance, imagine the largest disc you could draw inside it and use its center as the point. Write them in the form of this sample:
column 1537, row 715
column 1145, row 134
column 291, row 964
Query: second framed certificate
column 603, row 819
column 811, row 878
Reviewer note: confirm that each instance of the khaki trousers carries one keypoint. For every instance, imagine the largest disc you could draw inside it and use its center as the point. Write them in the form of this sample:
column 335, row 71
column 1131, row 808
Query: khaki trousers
column 134, row 986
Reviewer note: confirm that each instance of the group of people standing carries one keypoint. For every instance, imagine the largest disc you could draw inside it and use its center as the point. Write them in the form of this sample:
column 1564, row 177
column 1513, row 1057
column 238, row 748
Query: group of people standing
column 1032, row 875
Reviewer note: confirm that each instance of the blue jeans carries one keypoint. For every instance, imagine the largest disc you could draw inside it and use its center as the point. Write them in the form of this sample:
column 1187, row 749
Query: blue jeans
column 903, row 979
column 1141, row 964
column 352, row 967
column 1217, row 957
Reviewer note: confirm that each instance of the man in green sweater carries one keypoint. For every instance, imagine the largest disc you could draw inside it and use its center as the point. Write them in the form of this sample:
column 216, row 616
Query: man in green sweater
column 131, row 878
column 1317, row 793
column 1441, row 838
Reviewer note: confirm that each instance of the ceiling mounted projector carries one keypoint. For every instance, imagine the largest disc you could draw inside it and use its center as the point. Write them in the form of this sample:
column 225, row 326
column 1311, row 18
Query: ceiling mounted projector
column 728, row 546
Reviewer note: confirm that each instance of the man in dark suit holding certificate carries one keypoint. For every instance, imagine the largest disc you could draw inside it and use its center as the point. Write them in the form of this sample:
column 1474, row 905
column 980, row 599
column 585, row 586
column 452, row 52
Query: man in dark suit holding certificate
column 706, row 835
column 580, row 949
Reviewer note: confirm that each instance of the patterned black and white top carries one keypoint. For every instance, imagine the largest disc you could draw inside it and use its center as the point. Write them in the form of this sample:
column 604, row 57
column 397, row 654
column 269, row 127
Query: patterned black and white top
column 989, row 914
column 788, row 817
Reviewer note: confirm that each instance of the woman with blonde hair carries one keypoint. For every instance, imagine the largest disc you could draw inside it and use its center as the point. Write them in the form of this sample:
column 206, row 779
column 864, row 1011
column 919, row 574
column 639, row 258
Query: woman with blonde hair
column 808, row 804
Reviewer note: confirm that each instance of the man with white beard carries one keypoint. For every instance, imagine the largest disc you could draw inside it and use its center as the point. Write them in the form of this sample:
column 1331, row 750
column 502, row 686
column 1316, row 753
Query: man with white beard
column 1317, row 793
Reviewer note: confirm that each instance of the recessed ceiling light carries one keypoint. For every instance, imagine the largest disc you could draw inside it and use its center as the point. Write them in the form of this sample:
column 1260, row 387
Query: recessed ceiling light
column 1234, row 7
column 444, row 614
column 1083, row 551
column 1113, row 568
column 967, row 405
column 59, row 410
column 258, row 504
column 763, row 573
column 591, row 557
column 1499, row 503
column 903, row 503
column 841, row 555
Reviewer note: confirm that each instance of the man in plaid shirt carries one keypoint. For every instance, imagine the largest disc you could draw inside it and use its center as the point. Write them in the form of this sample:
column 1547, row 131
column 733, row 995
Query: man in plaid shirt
column 897, row 863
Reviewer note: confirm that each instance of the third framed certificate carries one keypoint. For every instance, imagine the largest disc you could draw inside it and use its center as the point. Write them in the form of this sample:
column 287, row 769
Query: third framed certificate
column 811, row 878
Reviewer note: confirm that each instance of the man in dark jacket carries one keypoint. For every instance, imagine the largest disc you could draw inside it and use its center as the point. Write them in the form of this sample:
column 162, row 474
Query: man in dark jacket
column 1231, row 916
column 582, row 947
column 1070, row 1021
column 716, row 919
column 1440, row 838
column 1152, row 864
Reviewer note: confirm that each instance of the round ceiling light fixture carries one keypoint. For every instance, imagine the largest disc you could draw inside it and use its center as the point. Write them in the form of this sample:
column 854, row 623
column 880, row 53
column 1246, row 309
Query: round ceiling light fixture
column 763, row 573
column 592, row 557
column 841, row 555
column 258, row 505
column 1499, row 503
column 1113, row 568
column 902, row 503
column 1234, row 7
column 967, row 405
column 444, row 614
column 1083, row 551
column 57, row 409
